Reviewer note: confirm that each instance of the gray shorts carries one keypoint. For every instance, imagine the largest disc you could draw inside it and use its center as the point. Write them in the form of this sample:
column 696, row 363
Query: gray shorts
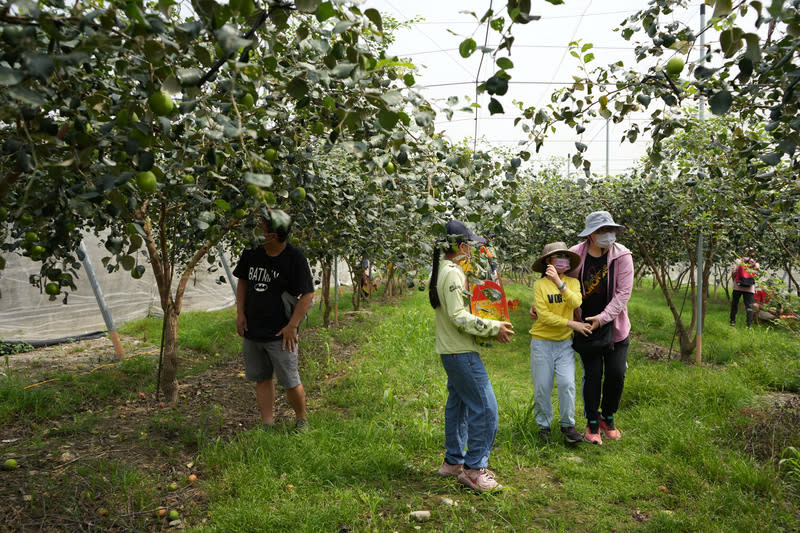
column 263, row 359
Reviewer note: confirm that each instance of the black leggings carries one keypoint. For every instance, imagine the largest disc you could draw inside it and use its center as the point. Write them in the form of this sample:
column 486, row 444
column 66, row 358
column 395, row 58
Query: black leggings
column 747, row 298
column 613, row 364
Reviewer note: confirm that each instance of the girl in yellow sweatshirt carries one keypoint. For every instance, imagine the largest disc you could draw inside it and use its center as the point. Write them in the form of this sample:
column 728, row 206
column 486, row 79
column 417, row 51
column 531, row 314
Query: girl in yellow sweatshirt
column 555, row 298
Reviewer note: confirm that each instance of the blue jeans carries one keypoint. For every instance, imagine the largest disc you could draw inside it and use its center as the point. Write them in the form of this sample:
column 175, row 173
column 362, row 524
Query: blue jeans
column 470, row 415
column 550, row 358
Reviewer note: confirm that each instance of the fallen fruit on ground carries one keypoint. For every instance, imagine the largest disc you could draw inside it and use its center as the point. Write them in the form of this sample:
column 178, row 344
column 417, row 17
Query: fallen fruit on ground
column 10, row 464
column 173, row 514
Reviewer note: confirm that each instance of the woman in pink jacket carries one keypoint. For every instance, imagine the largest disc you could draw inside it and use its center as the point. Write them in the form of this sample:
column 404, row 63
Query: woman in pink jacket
column 606, row 277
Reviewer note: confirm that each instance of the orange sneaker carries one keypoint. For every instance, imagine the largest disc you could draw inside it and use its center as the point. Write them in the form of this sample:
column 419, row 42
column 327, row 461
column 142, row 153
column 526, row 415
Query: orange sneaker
column 592, row 438
column 608, row 429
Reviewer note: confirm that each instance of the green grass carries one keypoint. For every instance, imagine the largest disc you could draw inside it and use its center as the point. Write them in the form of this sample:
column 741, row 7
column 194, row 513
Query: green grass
column 377, row 440
column 377, row 433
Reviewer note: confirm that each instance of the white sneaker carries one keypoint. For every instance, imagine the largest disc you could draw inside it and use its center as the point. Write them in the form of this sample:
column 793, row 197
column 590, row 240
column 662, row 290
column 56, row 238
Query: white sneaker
column 480, row 479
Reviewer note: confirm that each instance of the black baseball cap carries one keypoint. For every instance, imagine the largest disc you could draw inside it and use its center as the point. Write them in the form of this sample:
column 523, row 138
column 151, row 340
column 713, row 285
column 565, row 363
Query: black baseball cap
column 458, row 230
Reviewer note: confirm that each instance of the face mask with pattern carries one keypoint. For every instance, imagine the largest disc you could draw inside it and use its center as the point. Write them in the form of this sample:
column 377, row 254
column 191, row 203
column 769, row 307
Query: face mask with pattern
column 561, row 264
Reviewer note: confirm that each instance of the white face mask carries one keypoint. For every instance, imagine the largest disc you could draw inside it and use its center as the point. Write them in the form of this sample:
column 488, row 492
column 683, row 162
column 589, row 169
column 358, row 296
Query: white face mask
column 605, row 240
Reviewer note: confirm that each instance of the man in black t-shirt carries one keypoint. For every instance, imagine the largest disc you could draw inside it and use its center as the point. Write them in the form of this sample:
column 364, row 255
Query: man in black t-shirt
column 274, row 292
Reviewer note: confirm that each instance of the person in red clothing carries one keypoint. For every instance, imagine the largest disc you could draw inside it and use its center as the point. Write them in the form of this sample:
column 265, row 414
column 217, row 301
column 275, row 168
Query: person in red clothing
column 744, row 275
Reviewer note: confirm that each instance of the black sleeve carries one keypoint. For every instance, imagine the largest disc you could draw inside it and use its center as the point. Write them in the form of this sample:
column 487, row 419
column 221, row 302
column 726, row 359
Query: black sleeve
column 302, row 282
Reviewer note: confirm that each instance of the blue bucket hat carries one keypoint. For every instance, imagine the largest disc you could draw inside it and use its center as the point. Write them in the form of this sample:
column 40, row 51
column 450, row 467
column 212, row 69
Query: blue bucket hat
column 597, row 220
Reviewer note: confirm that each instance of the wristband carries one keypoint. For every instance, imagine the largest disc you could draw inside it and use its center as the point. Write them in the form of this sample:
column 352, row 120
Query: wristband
column 563, row 284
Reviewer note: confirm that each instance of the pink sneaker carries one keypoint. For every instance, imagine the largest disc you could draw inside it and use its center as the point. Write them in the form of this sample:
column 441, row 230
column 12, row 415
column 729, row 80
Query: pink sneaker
column 450, row 470
column 592, row 438
column 608, row 429
column 480, row 479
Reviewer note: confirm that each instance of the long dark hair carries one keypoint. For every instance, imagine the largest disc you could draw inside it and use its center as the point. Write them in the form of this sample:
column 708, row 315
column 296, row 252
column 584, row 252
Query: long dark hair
column 438, row 248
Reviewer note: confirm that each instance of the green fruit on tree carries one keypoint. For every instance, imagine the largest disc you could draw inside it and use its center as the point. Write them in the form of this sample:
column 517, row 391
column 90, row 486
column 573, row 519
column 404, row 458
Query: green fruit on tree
column 247, row 8
column 161, row 103
column 389, row 168
column 31, row 236
column 173, row 514
column 298, row 193
column 188, row 180
column 52, row 289
column 10, row 464
column 674, row 67
column 146, row 181
column 26, row 219
column 247, row 100
column 271, row 154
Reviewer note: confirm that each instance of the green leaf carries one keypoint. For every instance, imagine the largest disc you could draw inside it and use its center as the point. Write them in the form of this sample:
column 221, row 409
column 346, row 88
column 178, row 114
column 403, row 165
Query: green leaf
column 297, row 88
column 772, row 158
column 325, row 11
column 25, row 95
column 375, row 17
column 307, row 6
column 580, row 146
column 10, row 77
column 730, row 41
column 423, row 119
column 392, row 98
column 189, row 77
column 387, row 119
column 262, row 180
column 467, row 47
column 505, row 63
column 721, row 102
column 38, row 65
column 753, row 52
column 342, row 70
column 409, row 80
column 643, row 99
column 497, row 85
column 722, row 8
column 495, row 107
column 342, row 26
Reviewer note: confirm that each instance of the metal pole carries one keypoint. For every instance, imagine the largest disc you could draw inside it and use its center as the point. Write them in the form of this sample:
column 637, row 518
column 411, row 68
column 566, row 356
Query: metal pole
column 335, row 290
column 228, row 272
column 101, row 301
column 699, row 334
column 607, row 149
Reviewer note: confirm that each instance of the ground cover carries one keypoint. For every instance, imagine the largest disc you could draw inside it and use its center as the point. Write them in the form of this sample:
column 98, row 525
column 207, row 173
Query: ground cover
column 97, row 451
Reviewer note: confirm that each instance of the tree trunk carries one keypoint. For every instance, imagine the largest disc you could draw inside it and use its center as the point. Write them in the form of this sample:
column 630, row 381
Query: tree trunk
column 355, row 278
column 387, row 291
column 168, row 379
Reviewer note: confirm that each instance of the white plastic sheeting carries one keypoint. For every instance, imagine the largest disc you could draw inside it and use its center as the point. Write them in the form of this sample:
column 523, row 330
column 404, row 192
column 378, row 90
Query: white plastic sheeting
column 27, row 314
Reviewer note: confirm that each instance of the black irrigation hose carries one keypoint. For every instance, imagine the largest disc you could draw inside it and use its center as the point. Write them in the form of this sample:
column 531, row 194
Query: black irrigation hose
column 13, row 347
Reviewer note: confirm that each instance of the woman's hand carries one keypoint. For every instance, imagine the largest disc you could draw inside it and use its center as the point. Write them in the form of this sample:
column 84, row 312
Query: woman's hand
column 506, row 332
column 584, row 328
column 532, row 312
